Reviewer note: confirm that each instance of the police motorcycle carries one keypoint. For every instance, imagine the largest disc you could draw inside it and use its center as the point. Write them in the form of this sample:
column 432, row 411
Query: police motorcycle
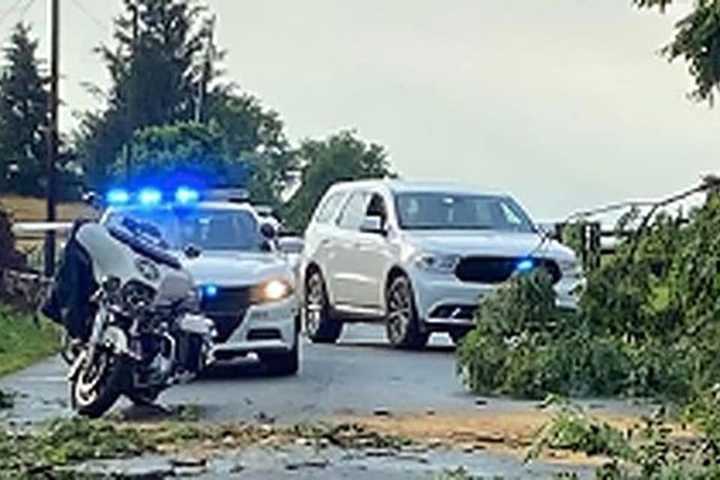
column 131, row 312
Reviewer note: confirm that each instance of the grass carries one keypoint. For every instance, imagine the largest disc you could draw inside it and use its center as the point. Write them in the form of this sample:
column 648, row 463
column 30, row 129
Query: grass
column 28, row 209
column 23, row 342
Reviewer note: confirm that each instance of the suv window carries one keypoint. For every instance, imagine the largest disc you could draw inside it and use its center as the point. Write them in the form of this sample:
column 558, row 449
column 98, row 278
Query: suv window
column 353, row 214
column 326, row 210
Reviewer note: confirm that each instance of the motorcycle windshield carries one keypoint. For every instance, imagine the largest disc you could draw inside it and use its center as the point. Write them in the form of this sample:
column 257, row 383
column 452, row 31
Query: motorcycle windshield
column 143, row 237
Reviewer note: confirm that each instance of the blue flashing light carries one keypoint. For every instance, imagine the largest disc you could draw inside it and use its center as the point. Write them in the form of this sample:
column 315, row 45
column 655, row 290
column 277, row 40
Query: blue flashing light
column 186, row 195
column 117, row 196
column 525, row 265
column 150, row 196
column 210, row 291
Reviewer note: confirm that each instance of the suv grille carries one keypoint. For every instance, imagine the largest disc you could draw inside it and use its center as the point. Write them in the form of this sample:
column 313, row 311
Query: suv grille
column 493, row 270
column 227, row 309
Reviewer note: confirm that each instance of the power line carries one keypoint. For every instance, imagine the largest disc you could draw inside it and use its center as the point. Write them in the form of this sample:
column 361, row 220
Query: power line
column 26, row 8
column 7, row 13
column 102, row 26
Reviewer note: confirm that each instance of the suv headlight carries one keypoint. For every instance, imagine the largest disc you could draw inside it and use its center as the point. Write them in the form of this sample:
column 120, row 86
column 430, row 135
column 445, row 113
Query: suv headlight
column 272, row 291
column 437, row 262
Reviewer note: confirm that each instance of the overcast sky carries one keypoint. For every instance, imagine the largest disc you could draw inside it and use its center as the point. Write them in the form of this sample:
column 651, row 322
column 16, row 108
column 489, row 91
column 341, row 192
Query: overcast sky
column 564, row 103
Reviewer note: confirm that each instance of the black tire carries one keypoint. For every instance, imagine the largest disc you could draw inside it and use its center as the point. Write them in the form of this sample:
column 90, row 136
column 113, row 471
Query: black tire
column 402, row 324
column 143, row 398
column 458, row 335
column 110, row 382
column 319, row 323
column 283, row 364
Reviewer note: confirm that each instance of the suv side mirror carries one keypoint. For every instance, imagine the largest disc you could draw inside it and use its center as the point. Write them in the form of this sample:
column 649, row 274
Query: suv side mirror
column 373, row 224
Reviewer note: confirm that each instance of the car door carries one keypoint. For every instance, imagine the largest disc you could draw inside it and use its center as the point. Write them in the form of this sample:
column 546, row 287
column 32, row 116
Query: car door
column 371, row 255
column 343, row 268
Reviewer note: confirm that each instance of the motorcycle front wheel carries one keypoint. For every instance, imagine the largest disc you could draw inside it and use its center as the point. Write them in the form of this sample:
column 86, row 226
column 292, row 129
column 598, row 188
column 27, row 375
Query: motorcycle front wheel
column 98, row 383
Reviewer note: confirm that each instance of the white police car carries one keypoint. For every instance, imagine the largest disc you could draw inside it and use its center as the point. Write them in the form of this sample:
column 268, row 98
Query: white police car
column 246, row 284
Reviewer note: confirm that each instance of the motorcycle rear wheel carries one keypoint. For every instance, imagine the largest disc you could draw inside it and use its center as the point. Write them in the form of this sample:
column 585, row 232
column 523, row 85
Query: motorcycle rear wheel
column 97, row 386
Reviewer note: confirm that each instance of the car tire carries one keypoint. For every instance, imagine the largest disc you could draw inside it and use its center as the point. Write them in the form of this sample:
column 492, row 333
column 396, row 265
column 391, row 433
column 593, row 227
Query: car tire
column 458, row 335
column 143, row 398
column 402, row 324
column 283, row 364
column 320, row 326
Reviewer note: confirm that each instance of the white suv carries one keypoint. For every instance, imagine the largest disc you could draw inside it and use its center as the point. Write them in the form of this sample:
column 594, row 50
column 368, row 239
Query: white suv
column 419, row 257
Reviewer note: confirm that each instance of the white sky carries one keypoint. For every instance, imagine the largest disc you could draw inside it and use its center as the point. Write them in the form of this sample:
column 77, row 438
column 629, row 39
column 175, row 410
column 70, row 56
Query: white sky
column 564, row 103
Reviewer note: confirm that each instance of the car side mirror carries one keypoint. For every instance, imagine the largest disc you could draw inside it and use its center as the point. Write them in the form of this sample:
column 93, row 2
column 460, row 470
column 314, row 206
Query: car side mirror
column 373, row 224
column 268, row 231
column 192, row 251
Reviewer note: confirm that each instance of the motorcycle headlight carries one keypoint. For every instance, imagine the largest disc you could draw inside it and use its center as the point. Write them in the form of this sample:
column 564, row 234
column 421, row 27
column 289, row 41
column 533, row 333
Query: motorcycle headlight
column 437, row 262
column 137, row 295
column 272, row 291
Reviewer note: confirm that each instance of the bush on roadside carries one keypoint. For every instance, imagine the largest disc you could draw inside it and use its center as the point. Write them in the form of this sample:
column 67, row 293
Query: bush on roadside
column 523, row 346
column 649, row 323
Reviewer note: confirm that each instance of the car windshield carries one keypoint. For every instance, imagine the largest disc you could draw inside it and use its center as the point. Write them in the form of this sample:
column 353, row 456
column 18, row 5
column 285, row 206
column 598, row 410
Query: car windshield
column 451, row 211
column 207, row 229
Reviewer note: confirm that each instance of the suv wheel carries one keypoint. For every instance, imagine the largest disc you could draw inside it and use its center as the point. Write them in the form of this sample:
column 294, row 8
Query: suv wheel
column 319, row 324
column 402, row 323
column 458, row 335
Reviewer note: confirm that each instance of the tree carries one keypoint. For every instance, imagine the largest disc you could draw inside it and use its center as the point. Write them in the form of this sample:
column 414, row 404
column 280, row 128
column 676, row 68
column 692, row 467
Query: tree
column 185, row 149
column 157, row 66
column 255, row 135
column 342, row 157
column 23, row 116
column 697, row 41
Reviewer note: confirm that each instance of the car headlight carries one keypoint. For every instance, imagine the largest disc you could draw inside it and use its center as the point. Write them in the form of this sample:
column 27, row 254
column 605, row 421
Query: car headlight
column 437, row 262
column 272, row 291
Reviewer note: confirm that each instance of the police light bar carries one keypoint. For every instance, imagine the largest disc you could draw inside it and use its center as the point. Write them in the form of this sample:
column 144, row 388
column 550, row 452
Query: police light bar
column 151, row 196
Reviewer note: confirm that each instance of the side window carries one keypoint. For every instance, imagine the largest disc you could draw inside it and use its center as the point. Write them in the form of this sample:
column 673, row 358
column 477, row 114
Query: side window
column 353, row 214
column 327, row 209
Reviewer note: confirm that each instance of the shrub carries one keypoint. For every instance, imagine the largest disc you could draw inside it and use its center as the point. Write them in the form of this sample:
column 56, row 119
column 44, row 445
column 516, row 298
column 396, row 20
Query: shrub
column 523, row 346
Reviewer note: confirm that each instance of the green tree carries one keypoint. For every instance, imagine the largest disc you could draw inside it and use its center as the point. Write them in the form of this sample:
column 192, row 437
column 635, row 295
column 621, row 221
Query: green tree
column 157, row 67
column 23, row 116
column 697, row 41
column 183, row 148
column 255, row 135
column 342, row 157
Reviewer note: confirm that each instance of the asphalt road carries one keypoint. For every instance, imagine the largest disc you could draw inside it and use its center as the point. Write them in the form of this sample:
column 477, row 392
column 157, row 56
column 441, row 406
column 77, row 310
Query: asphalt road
column 355, row 377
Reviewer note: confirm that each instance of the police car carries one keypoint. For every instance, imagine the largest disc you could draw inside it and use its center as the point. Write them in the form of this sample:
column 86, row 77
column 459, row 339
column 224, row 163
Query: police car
column 246, row 284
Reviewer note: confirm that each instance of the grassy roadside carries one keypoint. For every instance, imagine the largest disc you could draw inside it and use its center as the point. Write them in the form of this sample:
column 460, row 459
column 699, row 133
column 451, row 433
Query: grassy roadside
column 22, row 342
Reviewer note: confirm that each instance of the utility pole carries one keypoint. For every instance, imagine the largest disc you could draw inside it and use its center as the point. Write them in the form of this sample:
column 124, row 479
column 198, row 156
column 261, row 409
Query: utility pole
column 206, row 72
column 133, row 86
column 52, row 131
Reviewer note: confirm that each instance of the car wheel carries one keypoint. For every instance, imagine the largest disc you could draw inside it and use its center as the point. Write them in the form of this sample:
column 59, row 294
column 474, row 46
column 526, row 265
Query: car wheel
column 319, row 324
column 458, row 335
column 143, row 398
column 402, row 322
column 282, row 364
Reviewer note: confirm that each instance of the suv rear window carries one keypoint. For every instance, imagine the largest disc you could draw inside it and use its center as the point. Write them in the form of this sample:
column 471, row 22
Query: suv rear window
column 326, row 212
column 353, row 214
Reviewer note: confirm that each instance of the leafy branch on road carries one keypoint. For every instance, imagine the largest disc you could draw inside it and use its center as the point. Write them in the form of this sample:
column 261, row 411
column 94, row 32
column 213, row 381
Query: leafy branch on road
column 68, row 442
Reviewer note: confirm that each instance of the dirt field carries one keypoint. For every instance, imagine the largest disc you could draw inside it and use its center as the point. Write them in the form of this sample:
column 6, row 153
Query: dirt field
column 26, row 209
